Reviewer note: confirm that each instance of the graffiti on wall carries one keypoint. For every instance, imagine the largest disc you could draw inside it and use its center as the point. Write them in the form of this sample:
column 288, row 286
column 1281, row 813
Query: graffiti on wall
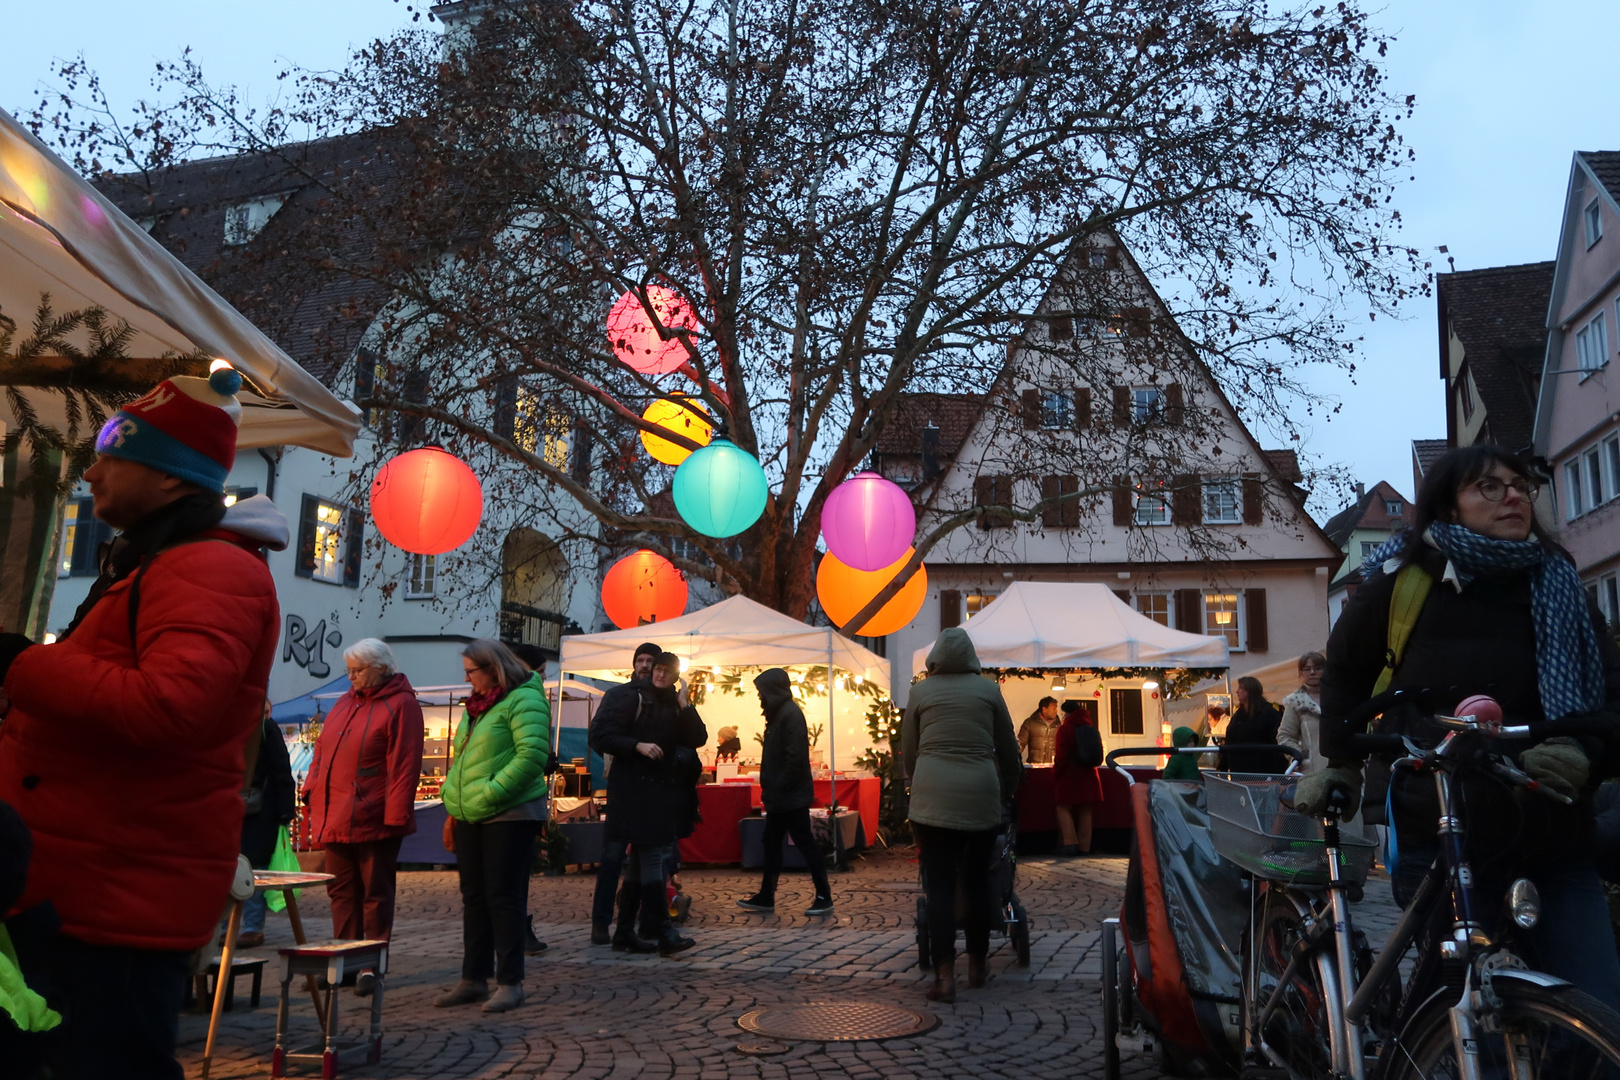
column 306, row 646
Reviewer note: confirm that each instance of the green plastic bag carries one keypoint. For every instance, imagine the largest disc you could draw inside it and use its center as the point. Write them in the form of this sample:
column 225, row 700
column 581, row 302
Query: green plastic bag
column 283, row 858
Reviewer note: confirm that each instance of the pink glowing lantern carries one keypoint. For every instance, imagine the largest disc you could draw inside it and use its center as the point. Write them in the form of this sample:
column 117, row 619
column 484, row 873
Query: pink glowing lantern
column 635, row 337
column 868, row 522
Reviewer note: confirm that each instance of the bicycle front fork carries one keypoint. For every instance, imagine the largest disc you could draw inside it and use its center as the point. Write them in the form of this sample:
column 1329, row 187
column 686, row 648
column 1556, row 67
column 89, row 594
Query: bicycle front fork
column 1344, row 1034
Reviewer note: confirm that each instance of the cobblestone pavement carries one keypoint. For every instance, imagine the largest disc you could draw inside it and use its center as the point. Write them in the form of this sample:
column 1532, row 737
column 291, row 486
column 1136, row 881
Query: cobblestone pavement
column 592, row 1013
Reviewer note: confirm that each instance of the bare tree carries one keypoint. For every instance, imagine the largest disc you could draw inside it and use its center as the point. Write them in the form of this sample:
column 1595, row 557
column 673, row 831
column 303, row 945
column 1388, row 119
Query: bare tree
column 861, row 201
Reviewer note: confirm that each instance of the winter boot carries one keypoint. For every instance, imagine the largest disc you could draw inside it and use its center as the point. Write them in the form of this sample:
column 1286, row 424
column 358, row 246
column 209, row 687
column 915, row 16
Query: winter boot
column 976, row 970
column 944, row 988
column 466, row 992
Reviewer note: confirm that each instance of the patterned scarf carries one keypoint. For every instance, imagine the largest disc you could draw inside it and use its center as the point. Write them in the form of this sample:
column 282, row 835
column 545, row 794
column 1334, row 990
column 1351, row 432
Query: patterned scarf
column 1568, row 663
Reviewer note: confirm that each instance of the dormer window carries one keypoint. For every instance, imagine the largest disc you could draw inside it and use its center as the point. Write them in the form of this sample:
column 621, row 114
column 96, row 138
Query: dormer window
column 245, row 220
column 1594, row 223
column 1394, row 507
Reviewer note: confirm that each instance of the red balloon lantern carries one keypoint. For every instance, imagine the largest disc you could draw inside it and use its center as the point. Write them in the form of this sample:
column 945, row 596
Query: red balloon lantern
column 643, row 587
column 426, row 501
column 635, row 337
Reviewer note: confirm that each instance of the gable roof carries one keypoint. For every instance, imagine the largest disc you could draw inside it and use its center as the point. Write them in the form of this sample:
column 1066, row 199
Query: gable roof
column 951, row 414
column 1369, row 511
column 1425, row 452
column 1500, row 315
column 1605, row 166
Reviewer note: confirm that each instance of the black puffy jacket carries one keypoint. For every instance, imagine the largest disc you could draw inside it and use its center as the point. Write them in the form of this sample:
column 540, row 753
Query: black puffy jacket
column 649, row 802
column 784, row 766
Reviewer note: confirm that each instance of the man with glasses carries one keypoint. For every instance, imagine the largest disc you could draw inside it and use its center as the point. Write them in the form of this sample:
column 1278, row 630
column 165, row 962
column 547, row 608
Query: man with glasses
column 611, row 862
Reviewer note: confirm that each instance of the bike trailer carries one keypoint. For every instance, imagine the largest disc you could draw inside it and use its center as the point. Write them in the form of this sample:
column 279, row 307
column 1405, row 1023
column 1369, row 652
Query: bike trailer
column 1184, row 914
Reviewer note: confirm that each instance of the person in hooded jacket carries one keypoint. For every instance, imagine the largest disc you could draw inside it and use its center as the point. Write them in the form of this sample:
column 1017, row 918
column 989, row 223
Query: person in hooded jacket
column 650, row 792
column 496, row 799
column 123, row 747
column 1182, row 766
column 611, row 860
column 361, row 789
column 1076, row 787
column 962, row 756
column 787, row 790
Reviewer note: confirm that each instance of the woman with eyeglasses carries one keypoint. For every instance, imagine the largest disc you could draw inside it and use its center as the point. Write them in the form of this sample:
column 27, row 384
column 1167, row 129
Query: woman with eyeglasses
column 1505, row 615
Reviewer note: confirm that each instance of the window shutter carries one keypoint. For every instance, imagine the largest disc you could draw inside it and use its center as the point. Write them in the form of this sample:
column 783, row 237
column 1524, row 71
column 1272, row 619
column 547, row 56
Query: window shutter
column 1138, row 322
column 1051, row 488
column 354, row 534
column 579, row 463
column 1032, row 409
column 1124, row 597
column 1186, row 501
column 992, row 491
column 1122, row 406
column 1258, row 637
column 304, row 564
column 413, row 428
column 1254, row 500
column 1082, row 407
column 1175, row 404
column 1122, row 501
column 365, row 374
column 506, row 408
column 1060, row 327
column 950, row 608
column 1189, row 611
column 1069, row 512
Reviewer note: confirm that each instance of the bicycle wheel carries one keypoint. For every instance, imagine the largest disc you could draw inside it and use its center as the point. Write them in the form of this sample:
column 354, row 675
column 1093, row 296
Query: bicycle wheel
column 1296, row 1034
column 1554, row 1031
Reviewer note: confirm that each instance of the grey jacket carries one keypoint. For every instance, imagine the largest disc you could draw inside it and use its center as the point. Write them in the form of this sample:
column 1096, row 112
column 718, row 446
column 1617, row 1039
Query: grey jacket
column 958, row 742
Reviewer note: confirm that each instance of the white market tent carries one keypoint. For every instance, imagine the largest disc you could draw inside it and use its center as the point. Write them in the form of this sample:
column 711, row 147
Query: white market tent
column 1046, row 624
column 737, row 632
column 61, row 236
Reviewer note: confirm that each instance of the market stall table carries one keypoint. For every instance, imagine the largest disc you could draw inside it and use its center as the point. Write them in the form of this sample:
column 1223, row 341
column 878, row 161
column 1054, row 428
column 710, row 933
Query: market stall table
column 851, row 834
column 1037, row 811
column 716, row 838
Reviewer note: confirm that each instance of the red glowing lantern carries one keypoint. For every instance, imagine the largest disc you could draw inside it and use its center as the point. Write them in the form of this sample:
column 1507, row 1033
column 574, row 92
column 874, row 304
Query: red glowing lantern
column 635, row 337
column 427, row 501
column 643, row 587
column 844, row 590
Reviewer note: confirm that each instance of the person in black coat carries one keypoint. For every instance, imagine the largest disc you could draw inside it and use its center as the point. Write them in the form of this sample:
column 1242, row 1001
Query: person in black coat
column 1255, row 720
column 611, row 862
column 651, row 792
column 271, row 802
column 787, row 791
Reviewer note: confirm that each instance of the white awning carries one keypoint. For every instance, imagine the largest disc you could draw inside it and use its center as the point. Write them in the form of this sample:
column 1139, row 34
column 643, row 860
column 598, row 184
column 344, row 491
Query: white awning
column 1048, row 624
column 61, row 236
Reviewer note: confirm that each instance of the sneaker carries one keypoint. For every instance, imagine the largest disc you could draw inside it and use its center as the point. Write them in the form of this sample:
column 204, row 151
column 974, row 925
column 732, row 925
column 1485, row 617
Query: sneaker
column 365, row 984
column 466, row 992
column 505, row 999
column 1068, row 851
column 250, row 940
column 672, row 943
column 632, row 943
column 821, row 905
column 758, row 902
column 600, row 935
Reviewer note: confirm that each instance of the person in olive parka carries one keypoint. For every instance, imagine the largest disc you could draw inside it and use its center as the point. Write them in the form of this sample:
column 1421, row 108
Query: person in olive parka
column 787, row 791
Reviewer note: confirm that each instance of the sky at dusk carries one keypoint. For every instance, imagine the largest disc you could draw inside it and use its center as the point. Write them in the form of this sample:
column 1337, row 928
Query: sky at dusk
column 1506, row 92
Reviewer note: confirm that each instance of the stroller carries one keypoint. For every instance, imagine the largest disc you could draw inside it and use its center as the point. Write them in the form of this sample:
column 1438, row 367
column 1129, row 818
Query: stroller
column 1173, row 982
column 1003, row 876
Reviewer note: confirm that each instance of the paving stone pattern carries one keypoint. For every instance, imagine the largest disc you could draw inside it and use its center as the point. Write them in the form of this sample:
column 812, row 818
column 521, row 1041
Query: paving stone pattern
column 593, row 1014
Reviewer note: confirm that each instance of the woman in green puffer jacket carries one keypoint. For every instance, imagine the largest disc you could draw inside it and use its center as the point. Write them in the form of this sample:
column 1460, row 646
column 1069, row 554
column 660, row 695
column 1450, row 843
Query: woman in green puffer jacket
column 495, row 796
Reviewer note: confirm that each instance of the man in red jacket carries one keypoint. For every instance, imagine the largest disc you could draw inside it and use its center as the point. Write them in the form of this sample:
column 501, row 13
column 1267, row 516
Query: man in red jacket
column 123, row 745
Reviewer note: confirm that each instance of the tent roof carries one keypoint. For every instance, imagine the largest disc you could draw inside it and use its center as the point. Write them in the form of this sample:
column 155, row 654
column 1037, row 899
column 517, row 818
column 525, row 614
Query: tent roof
column 737, row 632
column 61, row 236
column 1049, row 624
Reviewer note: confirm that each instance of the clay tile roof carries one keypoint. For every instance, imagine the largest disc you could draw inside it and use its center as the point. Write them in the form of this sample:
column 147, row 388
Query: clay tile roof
column 1286, row 464
column 952, row 414
column 1341, row 525
column 1500, row 315
column 1605, row 165
column 1427, row 452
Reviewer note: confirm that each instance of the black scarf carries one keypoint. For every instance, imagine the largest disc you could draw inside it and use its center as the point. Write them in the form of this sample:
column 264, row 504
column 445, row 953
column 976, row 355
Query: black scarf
column 128, row 552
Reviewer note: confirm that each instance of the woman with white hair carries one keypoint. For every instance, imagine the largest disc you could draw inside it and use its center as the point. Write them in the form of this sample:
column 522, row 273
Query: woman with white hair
column 362, row 791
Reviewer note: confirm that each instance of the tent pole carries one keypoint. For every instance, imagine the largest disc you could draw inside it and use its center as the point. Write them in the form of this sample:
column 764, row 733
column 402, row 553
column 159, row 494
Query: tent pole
column 832, row 763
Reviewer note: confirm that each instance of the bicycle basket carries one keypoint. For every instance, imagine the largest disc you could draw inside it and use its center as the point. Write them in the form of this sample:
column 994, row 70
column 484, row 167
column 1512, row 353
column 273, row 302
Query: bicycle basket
column 1253, row 824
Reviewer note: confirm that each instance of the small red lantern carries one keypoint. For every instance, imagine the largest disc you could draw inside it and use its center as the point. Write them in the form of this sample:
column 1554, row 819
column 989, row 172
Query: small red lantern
column 634, row 334
column 643, row 587
column 427, row 501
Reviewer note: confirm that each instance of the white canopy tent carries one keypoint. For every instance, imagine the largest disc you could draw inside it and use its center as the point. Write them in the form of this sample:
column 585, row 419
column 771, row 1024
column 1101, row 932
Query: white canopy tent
column 1045, row 624
column 61, row 236
column 737, row 632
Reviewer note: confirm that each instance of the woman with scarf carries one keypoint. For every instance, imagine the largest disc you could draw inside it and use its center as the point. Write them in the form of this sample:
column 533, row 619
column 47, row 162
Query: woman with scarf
column 495, row 796
column 1505, row 615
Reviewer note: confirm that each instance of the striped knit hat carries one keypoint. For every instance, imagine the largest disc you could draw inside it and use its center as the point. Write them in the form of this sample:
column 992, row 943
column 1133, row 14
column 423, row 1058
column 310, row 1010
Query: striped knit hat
column 185, row 427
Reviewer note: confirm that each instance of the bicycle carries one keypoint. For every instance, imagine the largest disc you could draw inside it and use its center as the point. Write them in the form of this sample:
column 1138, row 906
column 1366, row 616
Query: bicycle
column 1316, row 1004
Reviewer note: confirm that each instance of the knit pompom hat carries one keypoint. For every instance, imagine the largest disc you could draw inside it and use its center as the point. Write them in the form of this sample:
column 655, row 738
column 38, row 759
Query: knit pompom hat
column 185, row 427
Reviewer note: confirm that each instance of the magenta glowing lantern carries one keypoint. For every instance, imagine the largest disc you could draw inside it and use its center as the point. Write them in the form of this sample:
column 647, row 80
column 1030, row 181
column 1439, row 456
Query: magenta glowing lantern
column 868, row 522
column 634, row 334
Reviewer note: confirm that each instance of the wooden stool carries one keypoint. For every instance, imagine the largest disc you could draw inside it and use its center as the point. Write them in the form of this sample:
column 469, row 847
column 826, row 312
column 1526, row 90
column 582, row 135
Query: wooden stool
column 240, row 965
column 330, row 960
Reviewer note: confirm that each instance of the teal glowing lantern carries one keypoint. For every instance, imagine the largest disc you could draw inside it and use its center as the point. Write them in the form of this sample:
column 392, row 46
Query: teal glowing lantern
column 720, row 490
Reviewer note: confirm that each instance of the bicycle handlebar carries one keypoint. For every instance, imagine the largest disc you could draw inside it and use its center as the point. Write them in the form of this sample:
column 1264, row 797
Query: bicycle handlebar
column 1112, row 760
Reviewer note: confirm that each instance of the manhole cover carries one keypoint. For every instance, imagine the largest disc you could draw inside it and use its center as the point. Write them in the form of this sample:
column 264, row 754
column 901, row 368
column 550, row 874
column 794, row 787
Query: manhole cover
column 837, row 1021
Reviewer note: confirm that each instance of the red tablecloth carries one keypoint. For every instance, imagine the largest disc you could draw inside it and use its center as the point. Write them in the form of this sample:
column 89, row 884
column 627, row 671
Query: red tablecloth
column 862, row 794
column 1035, row 806
column 716, row 839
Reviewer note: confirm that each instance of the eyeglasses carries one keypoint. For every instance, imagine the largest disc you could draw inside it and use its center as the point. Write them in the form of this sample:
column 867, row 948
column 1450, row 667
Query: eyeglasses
column 1493, row 490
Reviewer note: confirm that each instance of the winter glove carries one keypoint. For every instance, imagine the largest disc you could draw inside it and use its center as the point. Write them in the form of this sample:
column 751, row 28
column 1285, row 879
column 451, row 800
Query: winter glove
column 1312, row 792
column 1559, row 764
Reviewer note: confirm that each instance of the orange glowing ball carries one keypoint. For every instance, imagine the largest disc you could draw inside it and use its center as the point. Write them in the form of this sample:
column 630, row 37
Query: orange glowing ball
column 643, row 587
column 427, row 501
column 844, row 591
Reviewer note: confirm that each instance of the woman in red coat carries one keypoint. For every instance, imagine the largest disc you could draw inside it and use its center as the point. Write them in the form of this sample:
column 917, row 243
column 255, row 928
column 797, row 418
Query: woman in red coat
column 1076, row 787
column 362, row 789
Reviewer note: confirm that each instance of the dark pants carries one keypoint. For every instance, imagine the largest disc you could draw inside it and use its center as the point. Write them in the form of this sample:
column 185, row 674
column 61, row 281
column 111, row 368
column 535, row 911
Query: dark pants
column 362, row 889
column 794, row 823
column 644, row 874
column 946, row 856
column 493, row 861
column 608, row 869
column 120, row 1010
